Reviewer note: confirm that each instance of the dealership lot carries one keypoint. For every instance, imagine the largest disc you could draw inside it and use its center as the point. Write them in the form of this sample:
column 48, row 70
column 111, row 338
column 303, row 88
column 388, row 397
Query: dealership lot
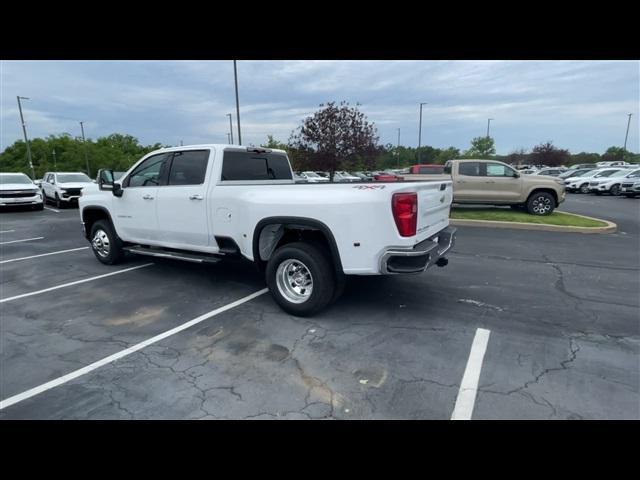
column 562, row 312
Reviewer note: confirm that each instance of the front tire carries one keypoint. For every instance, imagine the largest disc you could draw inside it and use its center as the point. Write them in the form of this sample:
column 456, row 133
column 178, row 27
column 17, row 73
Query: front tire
column 105, row 244
column 58, row 202
column 541, row 203
column 300, row 278
column 584, row 188
column 615, row 190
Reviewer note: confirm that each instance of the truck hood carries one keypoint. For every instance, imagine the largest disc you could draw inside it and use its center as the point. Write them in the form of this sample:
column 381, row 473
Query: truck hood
column 18, row 186
column 541, row 180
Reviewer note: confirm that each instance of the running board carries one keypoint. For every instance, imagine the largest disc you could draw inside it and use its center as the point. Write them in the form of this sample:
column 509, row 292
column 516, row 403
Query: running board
column 185, row 256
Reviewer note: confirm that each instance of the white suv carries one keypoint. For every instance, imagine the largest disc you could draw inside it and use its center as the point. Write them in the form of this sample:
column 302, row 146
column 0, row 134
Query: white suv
column 18, row 189
column 613, row 183
column 64, row 187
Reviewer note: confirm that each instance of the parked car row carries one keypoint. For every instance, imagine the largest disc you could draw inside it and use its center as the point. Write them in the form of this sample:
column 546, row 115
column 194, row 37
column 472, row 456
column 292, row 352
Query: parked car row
column 608, row 180
column 342, row 176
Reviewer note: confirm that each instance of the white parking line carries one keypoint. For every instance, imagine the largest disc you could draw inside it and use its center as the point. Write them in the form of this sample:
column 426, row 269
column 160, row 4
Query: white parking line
column 52, row 209
column 24, row 240
column 6, row 231
column 112, row 358
column 90, row 279
column 42, row 255
column 469, row 385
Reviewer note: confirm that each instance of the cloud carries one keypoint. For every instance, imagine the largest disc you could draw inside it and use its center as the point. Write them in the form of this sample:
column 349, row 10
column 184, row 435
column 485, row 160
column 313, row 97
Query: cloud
column 581, row 105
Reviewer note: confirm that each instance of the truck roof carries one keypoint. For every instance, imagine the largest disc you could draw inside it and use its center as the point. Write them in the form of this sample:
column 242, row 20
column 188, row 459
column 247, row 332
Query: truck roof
column 217, row 146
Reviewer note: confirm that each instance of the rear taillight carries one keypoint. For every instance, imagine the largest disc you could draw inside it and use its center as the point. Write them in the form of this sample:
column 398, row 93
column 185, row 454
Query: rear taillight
column 405, row 212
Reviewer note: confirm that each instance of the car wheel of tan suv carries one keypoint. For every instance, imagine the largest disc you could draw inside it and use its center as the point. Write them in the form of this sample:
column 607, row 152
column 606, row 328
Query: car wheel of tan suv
column 541, row 203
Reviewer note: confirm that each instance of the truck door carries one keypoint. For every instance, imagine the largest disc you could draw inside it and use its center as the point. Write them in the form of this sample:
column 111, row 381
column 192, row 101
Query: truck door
column 501, row 184
column 135, row 211
column 182, row 203
column 467, row 183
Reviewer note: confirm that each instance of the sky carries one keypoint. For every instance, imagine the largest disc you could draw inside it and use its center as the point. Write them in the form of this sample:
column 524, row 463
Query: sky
column 578, row 105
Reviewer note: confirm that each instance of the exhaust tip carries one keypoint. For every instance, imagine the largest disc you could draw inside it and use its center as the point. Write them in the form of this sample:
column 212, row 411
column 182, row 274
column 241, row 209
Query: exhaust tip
column 442, row 262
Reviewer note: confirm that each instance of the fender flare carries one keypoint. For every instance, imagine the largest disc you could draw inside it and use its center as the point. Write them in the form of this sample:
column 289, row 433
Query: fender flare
column 305, row 222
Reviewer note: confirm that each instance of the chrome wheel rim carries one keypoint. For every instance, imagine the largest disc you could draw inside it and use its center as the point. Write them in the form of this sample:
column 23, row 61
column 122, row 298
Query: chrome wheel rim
column 542, row 205
column 101, row 244
column 294, row 281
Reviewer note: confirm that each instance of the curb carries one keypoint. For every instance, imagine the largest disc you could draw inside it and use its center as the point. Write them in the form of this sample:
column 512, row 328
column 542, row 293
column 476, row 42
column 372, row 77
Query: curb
column 609, row 228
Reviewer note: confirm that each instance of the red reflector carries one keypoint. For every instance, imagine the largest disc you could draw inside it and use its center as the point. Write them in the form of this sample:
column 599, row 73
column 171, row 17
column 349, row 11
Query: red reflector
column 405, row 212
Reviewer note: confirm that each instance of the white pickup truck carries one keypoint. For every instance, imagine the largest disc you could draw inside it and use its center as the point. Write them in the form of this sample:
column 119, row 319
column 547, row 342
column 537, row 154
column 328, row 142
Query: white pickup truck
column 204, row 202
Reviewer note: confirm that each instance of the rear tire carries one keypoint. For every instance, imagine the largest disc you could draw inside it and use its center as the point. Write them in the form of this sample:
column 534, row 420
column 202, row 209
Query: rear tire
column 105, row 244
column 300, row 278
column 541, row 203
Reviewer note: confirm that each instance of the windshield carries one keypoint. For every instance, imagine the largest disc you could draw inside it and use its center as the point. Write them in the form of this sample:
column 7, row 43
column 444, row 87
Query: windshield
column 72, row 177
column 574, row 173
column 606, row 173
column 17, row 178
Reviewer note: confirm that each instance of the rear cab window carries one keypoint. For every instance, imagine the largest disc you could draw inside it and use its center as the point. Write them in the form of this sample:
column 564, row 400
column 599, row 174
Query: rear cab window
column 241, row 166
column 470, row 169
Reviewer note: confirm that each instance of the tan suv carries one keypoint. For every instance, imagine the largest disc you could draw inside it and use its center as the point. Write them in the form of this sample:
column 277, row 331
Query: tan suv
column 496, row 183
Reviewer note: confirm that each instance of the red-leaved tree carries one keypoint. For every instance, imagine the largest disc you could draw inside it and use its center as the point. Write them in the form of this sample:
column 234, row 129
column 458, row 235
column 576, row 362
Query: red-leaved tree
column 336, row 137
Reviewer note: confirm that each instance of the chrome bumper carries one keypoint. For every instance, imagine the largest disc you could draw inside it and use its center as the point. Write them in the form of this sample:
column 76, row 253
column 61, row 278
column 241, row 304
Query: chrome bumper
column 422, row 256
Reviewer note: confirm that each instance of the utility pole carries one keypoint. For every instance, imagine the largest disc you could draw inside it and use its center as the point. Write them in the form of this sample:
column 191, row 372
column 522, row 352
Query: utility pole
column 86, row 158
column 229, row 138
column 398, row 149
column 420, row 134
column 488, row 124
column 181, row 143
column 627, row 134
column 26, row 140
column 230, row 128
column 235, row 76
column 55, row 166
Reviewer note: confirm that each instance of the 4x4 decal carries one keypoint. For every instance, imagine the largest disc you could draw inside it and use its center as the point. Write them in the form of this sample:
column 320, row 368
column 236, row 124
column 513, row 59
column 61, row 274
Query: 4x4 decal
column 369, row 187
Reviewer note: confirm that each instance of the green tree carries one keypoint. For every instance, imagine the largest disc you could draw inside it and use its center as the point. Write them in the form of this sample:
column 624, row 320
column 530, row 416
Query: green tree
column 481, row 147
column 615, row 154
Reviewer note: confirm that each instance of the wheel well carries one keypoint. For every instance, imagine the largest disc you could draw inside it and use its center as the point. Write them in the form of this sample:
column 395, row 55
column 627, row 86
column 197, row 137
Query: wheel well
column 270, row 235
column 91, row 216
column 546, row 190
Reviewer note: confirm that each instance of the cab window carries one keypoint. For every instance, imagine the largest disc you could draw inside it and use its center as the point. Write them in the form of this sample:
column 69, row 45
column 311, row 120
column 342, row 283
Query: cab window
column 470, row 169
column 149, row 173
column 498, row 170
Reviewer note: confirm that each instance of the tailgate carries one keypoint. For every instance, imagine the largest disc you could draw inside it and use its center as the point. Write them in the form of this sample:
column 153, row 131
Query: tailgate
column 434, row 203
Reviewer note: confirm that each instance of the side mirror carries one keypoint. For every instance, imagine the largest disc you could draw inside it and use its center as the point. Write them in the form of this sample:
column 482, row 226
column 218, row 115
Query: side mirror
column 516, row 175
column 117, row 189
column 105, row 179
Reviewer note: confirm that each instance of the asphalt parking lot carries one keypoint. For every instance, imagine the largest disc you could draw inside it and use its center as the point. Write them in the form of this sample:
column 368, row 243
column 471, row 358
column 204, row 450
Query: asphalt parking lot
column 561, row 309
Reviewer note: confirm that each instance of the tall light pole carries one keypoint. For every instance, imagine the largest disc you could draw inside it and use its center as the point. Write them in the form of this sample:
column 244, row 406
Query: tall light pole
column 398, row 149
column 229, row 138
column 235, row 76
column 55, row 166
column 488, row 124
column 84, row 142
column 627, row 134
column 26, row 140
column 420, row 134
column 230, row 128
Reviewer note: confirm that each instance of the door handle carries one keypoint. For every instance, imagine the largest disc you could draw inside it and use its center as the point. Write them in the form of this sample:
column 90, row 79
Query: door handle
column 147, row 197
column 195, row 197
